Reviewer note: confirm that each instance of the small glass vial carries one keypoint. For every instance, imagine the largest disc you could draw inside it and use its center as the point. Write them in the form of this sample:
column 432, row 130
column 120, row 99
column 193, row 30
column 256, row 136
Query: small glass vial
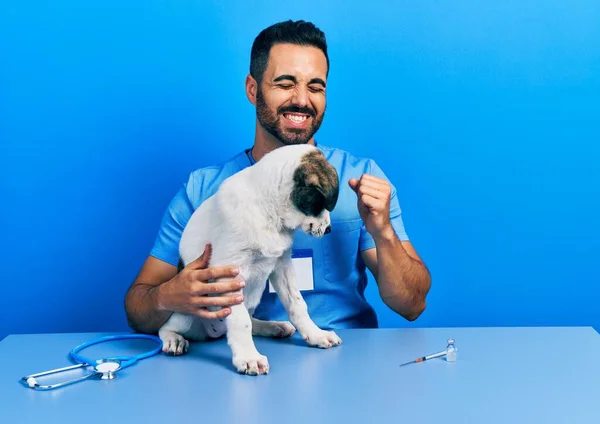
column 451, row 351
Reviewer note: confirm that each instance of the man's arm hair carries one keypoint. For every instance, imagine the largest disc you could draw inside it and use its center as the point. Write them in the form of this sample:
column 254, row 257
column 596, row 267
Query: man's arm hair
column 402, row 277
column 144, row 312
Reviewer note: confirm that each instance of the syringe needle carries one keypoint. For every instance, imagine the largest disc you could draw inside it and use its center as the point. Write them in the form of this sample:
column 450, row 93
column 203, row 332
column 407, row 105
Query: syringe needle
column 425, row 358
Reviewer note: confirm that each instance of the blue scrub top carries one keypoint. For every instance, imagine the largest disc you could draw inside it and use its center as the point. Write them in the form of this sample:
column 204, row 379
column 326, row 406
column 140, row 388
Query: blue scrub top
column 340, row 278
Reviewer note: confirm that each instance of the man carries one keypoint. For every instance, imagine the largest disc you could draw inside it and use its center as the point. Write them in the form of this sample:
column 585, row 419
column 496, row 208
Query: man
column 287, row 83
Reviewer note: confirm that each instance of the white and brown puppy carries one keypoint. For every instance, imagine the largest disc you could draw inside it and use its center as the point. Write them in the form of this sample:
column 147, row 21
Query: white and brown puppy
column 250, row 222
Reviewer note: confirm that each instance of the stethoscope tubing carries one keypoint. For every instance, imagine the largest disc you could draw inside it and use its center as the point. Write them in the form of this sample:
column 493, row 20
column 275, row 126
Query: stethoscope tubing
column 125, row 360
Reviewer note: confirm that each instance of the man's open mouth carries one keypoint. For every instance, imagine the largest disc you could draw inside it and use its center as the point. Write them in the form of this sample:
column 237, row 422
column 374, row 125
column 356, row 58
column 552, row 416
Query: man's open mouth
column 296, row 118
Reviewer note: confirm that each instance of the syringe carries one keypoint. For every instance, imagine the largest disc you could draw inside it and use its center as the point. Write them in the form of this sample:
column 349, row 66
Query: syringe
column 434, row 355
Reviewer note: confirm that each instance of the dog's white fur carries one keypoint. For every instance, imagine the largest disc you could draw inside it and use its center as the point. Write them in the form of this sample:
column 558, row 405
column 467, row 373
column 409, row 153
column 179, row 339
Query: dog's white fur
column 250, row 222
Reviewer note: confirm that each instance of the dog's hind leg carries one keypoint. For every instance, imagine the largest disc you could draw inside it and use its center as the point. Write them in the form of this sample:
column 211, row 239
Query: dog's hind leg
column 176, row 332
column 277, row 329
column 173, row 343
column 283, row 279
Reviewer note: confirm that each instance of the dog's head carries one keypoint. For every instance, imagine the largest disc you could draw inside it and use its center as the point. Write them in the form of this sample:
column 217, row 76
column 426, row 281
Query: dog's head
column 300, row 188
column 314, row 192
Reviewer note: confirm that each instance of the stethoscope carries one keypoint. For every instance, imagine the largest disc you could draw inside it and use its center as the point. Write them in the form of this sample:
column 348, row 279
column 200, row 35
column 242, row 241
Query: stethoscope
column 103, row 369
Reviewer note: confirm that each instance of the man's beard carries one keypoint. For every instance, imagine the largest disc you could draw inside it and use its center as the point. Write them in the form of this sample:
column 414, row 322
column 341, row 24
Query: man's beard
column 271, row 122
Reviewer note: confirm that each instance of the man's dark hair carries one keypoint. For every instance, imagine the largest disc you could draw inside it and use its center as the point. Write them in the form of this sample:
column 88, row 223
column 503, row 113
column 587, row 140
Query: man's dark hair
column 294, row 32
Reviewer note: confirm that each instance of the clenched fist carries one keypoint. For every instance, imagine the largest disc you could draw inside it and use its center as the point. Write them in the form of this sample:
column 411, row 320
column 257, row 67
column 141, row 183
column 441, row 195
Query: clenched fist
column 373, row 198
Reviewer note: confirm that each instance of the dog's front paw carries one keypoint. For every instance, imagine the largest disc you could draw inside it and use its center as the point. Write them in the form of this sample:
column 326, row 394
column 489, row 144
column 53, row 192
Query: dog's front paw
column 252, row 365
column 322, row 339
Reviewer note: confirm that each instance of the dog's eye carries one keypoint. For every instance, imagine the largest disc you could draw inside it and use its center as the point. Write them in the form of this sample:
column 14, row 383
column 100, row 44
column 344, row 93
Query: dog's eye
column 312, row 203
column 308, row 200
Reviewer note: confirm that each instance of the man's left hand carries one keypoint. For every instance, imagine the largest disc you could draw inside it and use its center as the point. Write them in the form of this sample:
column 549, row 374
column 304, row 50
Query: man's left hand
column 374, row 204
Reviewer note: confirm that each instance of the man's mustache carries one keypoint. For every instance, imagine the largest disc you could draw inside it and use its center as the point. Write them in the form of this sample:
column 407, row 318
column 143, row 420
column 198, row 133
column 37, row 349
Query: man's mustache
column 297, row 109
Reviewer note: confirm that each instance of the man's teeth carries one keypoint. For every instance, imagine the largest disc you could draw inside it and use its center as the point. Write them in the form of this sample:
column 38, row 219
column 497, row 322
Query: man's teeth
column 296, row 118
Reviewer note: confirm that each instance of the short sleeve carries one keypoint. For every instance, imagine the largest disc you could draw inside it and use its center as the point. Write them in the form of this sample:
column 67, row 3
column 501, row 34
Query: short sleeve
column 366, row 240
column 175, row 218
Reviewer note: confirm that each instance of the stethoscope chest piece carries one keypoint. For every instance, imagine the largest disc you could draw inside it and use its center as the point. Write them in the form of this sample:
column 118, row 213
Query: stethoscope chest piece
column 106, row 369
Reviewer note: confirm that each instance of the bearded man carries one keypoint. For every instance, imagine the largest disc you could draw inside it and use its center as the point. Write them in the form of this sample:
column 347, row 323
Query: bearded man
column 287, row 83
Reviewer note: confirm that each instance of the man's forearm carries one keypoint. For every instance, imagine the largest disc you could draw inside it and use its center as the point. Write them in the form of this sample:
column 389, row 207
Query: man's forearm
column 403, row 281
column 142, row 309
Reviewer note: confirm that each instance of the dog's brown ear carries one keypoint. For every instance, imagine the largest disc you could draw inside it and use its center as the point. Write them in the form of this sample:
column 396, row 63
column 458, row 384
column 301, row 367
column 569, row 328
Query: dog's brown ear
column 317, row 184
column 330, row 194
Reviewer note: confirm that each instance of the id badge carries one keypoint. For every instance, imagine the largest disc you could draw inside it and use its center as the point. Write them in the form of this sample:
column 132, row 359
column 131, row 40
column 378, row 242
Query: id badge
column 302, row 261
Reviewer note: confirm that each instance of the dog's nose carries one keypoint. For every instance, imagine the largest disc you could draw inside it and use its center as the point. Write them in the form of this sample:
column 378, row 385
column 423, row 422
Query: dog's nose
column 328, row 229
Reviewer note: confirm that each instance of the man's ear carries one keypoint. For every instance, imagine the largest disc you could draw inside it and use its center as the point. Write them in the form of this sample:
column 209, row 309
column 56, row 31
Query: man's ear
column 251, row 89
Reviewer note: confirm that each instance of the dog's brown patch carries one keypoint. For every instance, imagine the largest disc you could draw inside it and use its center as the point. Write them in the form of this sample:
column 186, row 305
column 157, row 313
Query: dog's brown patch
column 316, row 184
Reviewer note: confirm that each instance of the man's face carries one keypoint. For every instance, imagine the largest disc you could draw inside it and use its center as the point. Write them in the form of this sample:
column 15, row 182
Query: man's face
column 290, row 101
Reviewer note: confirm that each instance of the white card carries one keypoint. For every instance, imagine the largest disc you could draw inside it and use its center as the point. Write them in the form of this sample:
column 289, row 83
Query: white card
column 302, row 261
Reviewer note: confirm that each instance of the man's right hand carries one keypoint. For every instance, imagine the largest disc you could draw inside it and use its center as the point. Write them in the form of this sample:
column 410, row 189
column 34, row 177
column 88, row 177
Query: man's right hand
column 159, row 290
column 188, row 292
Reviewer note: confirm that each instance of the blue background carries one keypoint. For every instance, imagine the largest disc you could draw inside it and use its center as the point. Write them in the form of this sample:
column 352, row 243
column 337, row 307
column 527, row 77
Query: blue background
column 483, row 114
